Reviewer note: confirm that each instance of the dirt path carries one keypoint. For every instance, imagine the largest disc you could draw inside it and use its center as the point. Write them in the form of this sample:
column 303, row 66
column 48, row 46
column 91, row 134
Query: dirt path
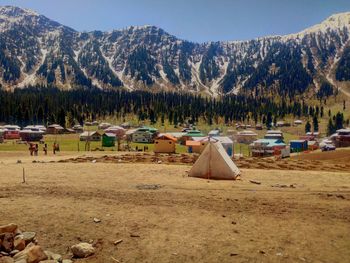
column 183, row 219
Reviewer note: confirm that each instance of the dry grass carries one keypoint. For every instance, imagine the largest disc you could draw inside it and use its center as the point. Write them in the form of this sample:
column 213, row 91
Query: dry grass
column 186, row 219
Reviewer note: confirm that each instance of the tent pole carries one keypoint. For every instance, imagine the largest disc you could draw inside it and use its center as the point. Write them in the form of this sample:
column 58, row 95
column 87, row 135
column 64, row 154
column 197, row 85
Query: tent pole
column 209, row 168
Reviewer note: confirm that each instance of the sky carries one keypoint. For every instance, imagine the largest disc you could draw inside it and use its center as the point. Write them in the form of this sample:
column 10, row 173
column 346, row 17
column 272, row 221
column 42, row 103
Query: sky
column 193, row 20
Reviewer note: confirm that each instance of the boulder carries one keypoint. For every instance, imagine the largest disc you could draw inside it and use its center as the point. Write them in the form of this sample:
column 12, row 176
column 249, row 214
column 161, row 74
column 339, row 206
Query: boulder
column 10, row 228
column 19, row 243
column 6, row 260
column 82, row 250
column 28, row 236
column 7, row 242
column 32, row 254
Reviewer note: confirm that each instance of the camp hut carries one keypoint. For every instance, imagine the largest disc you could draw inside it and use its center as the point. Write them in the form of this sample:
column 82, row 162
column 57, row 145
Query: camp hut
column 93, row 136
column 274, row 134
column 342, row 138
column 246, row 136
column 213, row 133
column 40, row 128
column 78, row 128
column 259, row 127
column 126, row 125
column 144, row 135
column 190, row 135
column 298, row 145
column 197, row 144
column 11, row 132
column 54, row 129
column 165, row 143
column 108, row 139
column 31, row 136
column 117, row 130
column 104, row 125
column 214, row 163
column 298, row 122
column 267, row 147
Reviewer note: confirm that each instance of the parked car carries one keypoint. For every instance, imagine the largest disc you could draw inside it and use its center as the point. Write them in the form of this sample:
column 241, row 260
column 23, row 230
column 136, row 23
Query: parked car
column 328, row 147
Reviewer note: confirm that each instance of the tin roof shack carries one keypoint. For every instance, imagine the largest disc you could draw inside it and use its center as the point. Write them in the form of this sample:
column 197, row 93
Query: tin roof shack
column 267, row 147
column 11, row 132
column 213, row 133
column 31, row 136
column 259, row 127
column 274, row 134
column 165, row 143
column 144, row 135
column 78, row 128
column 108, row 139
column 40, row 128
column 298, row 122
column 342, row 139
column 117, row 130
column 190, row 135
column 197, row 144
column 93, row 136
column 246, row 137
column 54, row 129
column 104, row 125
column 297, row 146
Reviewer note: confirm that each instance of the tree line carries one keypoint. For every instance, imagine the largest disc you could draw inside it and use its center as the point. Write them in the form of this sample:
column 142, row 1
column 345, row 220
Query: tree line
column 47, row 105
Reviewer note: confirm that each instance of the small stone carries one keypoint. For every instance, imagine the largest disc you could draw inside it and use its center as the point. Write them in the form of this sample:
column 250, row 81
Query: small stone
column 117, row 242
column 82, row 250
column 28, row 236
column 233, row 254
column 19, row 243
column 10, row 228
column 67, row 261
column 7, row 242
column 53, row 256
column 96, row 220
column 6, row 260
column 19, row 161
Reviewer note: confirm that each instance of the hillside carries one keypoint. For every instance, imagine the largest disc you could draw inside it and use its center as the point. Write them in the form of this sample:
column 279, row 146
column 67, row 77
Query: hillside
column 35, row 50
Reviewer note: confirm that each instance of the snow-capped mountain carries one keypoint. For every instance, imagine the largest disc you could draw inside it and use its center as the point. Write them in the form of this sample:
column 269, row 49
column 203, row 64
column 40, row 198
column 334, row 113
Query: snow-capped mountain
column 35, row 50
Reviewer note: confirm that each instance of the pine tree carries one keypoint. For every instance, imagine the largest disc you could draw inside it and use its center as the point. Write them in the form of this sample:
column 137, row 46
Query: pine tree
column 315, row 123
column 330, row 127
column 307, row 127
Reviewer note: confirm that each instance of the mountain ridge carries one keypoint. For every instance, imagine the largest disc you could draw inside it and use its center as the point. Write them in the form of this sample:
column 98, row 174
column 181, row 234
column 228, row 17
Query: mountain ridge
column 36, row 50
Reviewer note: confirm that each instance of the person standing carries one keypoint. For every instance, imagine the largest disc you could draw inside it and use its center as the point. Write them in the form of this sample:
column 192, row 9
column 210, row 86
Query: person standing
column 45, row 149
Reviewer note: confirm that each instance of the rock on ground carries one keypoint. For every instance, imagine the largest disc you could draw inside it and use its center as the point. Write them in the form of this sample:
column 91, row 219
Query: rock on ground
column 82, row 250
column 10, row 228
column 6, row 260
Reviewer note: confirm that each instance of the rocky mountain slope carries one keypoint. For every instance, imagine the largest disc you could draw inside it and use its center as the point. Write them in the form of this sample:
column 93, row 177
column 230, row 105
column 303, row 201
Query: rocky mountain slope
column 35, row 50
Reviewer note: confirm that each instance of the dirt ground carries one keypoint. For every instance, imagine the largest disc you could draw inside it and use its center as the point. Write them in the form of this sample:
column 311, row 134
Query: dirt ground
column 292, row 216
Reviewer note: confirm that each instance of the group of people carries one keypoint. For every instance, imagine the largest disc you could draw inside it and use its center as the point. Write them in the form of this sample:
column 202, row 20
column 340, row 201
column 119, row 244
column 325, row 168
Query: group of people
column 34, row 148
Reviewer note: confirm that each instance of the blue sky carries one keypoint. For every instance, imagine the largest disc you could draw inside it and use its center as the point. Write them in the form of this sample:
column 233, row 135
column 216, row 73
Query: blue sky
column 194, row 20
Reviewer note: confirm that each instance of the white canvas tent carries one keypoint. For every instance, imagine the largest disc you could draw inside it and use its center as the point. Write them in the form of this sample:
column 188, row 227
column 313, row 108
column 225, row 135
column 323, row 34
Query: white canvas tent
column 214, row 163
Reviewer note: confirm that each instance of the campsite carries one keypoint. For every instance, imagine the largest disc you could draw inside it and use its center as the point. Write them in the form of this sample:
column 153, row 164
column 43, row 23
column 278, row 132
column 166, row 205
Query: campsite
column 268, row 215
